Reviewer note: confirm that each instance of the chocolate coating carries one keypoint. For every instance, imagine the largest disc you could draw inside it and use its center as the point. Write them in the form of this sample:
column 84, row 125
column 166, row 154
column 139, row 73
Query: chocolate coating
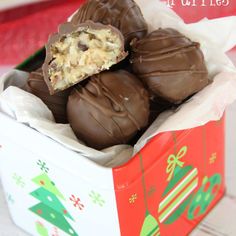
column 77, row 52
column 56, row 103
column 122, row 14
column 170, row 64
column 109, row 110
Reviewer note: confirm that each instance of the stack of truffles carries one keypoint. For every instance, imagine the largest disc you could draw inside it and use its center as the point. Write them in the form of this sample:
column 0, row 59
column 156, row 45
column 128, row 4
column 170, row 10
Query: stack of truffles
column 105, row 75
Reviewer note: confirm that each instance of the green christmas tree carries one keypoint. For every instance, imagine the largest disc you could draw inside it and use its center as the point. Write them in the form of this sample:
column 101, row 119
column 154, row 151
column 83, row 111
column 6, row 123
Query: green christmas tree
column 50, row 207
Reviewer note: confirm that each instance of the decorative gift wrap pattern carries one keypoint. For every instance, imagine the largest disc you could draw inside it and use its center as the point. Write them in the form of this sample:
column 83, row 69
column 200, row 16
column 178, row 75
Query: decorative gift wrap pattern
column 176, row 179
column 166, row 189
column 50, row 207
column 47, row 198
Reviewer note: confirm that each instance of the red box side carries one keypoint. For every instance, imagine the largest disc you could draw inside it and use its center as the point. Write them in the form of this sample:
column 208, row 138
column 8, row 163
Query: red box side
column 142, row 186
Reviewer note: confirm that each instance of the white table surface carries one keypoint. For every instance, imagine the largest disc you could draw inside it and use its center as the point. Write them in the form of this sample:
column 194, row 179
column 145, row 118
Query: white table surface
column 220, row 222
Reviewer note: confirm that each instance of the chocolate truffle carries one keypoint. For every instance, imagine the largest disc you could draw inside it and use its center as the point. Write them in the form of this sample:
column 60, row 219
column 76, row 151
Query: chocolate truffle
column 122, row 14
column 170, row 64
column 109, row 110
column 56, row 103
column 77, row 52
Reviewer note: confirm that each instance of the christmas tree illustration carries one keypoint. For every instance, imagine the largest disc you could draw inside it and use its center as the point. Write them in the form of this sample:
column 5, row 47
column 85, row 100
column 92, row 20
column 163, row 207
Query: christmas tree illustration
column 50, row 207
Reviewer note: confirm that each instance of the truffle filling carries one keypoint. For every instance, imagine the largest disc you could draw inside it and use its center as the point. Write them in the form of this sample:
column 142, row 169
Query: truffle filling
column 81, row 54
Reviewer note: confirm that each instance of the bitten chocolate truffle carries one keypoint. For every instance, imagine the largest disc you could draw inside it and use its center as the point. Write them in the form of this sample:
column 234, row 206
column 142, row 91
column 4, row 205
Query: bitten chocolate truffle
column 56, row 103
column 77, row 52
column 109, row 110
column 170, row 64
column 122, row 14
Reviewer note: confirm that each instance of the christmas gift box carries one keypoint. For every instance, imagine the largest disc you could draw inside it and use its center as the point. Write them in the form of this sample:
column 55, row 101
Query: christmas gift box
column 165, row 189
column 164, row 185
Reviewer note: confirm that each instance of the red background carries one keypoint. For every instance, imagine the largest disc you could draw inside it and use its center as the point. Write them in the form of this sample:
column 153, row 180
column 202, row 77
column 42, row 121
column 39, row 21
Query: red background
column 25, row 29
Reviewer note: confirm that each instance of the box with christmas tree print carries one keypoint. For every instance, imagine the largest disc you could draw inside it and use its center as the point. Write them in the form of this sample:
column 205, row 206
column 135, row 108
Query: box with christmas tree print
column 165, row 189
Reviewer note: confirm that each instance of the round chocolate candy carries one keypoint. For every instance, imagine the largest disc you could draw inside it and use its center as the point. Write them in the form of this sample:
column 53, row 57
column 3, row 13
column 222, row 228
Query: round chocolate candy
column 56, row 103
column 122, row 14
column 109, row 110
column 170, row 64
column 77, row 52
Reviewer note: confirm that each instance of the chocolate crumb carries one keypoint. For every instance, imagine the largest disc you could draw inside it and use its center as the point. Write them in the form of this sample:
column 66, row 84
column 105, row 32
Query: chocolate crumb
column 82, row 47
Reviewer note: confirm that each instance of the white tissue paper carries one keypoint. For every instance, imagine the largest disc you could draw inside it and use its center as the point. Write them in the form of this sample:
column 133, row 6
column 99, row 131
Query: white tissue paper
column 215, row 36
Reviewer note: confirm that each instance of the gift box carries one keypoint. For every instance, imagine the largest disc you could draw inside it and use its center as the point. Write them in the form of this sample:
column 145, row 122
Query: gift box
column 173, row 179
column 165, row 189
